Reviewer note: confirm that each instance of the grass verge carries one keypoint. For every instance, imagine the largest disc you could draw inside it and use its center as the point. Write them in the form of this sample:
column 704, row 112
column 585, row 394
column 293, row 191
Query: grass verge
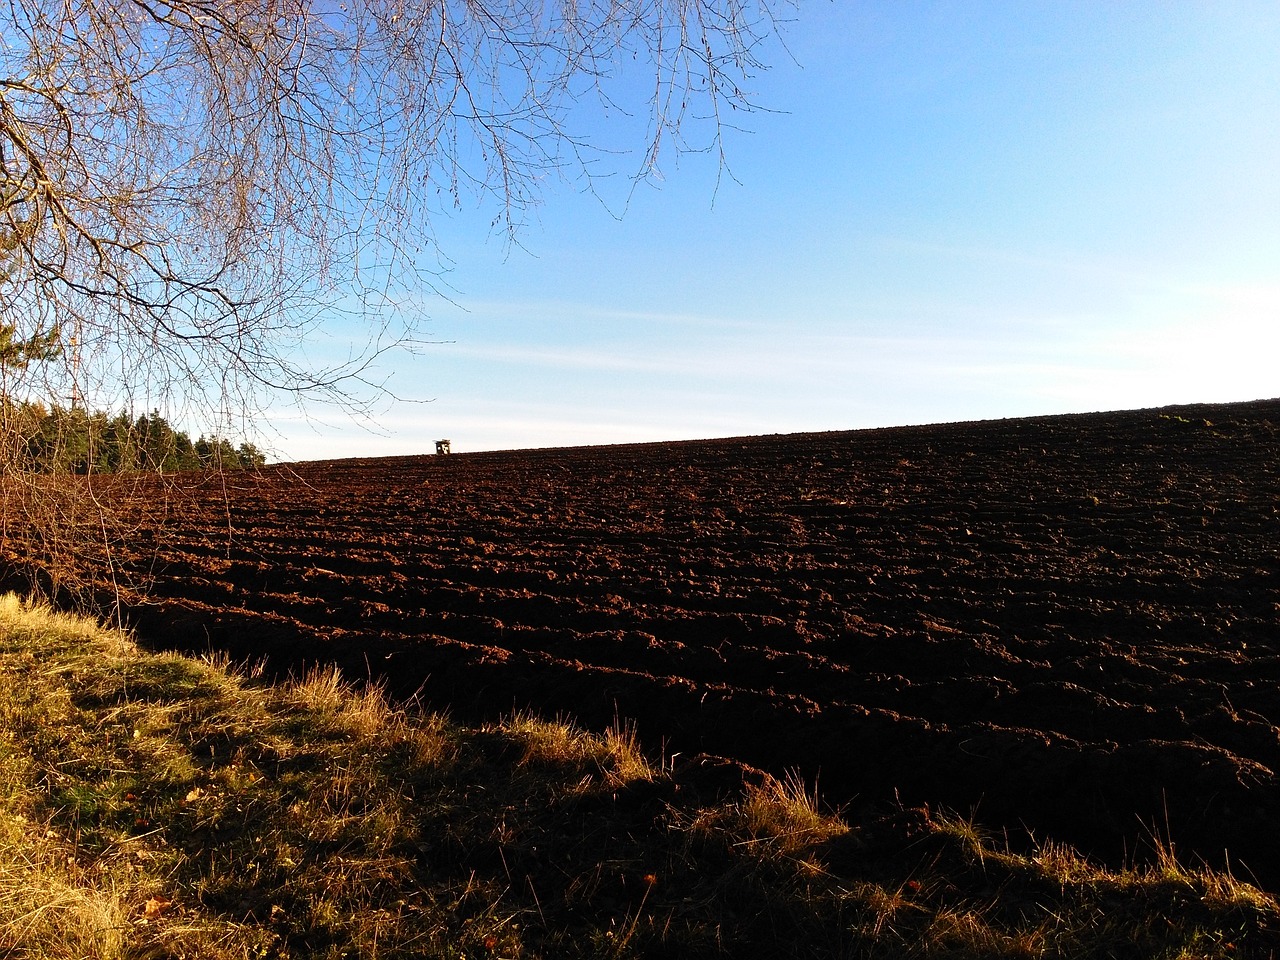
column 155, row 806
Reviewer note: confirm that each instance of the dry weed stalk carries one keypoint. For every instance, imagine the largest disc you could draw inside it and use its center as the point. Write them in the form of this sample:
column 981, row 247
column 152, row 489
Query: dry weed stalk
column 153, row 805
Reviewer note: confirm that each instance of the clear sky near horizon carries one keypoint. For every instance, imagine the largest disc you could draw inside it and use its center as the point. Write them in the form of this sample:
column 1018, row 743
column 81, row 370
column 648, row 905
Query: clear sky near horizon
column 956, row 211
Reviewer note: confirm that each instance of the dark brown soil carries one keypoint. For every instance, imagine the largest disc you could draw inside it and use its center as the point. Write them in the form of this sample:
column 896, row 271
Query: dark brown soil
column 1068, row 623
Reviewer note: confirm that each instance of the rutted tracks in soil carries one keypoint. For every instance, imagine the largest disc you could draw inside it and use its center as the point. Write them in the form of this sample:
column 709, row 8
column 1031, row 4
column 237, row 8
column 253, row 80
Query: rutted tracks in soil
column 1070, row 622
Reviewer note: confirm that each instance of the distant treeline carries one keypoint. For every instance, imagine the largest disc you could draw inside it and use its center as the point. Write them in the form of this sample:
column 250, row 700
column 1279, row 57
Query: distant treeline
column 56, row 439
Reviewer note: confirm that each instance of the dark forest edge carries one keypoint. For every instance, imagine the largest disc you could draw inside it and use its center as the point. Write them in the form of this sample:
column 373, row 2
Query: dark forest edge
column 57, row 439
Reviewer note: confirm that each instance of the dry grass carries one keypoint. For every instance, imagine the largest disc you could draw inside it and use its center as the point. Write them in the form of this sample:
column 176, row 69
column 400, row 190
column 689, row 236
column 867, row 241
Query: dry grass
column 155, row 806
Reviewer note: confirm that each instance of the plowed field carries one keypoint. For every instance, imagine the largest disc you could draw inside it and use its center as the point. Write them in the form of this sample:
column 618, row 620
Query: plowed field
column 1068, row 623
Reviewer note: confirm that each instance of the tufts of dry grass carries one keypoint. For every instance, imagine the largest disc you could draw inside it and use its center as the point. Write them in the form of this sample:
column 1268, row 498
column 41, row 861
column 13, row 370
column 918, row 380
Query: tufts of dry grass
column 157, row 806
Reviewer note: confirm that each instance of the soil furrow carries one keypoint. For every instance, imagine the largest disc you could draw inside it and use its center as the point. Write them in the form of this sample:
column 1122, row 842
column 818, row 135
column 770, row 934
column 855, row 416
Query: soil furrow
column 1067, row 622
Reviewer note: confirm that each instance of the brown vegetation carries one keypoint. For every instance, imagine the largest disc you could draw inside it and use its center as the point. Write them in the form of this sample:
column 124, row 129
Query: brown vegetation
column 156, row 806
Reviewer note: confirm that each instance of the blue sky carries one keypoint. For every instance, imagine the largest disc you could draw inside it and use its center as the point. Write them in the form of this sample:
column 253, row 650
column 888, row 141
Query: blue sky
column 958, row 211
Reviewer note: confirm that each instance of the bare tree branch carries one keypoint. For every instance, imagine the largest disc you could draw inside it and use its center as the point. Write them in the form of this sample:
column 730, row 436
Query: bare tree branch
column 190, row 188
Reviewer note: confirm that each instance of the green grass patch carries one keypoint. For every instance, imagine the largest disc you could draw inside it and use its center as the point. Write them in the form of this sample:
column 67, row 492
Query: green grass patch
column 155, row 806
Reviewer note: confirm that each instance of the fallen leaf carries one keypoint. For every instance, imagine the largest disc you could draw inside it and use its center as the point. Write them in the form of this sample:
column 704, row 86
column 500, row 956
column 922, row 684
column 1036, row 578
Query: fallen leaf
column 155, row 908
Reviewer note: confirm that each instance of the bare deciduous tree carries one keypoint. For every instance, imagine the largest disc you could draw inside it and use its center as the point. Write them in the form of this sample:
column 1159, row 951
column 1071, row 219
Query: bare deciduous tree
column 189, row 187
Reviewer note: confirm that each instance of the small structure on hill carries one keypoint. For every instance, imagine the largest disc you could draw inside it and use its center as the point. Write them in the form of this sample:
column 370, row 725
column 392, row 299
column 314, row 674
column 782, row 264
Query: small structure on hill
column 442, row 447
